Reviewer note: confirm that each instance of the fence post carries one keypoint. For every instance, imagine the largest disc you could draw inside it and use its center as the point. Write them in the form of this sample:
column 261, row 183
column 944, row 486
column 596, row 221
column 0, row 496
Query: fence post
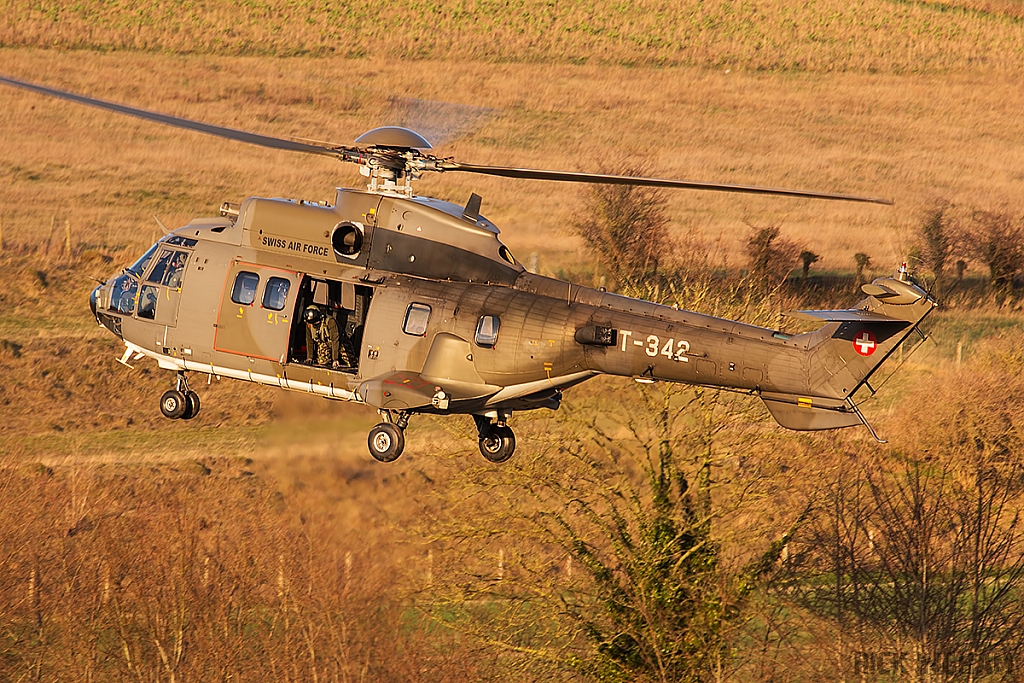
column 33, row 597
column 105, row 585
column 49, row 237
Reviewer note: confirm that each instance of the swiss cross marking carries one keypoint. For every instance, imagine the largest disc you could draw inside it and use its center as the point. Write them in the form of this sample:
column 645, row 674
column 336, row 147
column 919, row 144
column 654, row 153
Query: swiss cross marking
column 865, row 343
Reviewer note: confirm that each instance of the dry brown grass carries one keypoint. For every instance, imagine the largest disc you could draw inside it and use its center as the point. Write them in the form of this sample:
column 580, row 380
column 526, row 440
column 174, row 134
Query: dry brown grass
column 196, row 572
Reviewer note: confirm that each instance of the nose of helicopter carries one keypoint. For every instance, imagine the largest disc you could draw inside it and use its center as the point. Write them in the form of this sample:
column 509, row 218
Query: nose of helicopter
column 92, row 299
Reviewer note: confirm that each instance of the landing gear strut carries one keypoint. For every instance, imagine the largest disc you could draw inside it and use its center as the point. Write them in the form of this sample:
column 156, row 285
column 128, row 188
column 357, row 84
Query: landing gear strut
column 387, row 439
column 497, row 441
column 180, row 402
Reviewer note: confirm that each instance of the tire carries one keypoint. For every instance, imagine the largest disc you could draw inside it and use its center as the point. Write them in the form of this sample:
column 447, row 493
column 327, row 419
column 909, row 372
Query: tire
column 498, row 444
column 386, row 442
column 192, row 405
column 173, row 404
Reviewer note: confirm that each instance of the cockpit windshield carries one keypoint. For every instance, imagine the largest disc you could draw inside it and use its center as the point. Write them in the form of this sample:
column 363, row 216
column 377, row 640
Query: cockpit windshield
column 139, row 266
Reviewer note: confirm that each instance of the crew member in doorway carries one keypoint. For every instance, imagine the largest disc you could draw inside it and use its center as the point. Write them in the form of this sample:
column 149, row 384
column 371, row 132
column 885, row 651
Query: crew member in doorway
column 322, row 337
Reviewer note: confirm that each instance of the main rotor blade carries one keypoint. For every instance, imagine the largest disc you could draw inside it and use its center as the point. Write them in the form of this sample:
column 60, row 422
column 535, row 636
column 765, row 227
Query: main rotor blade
column 566, row 176
column 209, row 129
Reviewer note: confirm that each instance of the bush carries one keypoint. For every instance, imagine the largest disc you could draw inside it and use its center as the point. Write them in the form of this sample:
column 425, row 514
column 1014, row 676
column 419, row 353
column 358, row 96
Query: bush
column 626, row 227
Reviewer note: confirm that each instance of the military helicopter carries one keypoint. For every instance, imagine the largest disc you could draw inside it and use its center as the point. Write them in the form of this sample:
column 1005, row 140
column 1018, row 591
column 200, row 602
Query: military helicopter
column 410, row 305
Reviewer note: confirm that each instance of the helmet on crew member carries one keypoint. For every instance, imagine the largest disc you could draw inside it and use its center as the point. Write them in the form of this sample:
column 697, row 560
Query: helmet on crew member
column 312, row 314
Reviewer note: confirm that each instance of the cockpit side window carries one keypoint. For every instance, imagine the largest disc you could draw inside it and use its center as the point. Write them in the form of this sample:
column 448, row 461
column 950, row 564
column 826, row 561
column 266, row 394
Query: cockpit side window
column 174, row 270
column 147, row 302
column 244, row 291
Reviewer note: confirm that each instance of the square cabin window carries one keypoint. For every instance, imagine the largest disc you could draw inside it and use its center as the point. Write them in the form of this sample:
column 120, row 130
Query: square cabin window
column 487, row 331
column 244, row 291
column 416, row 319
column 276, row 293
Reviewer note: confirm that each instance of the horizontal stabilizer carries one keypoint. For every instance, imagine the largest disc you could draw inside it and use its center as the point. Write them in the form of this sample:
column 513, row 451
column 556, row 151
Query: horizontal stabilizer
column 844, row 316
column 807, row 413
column 853, row 321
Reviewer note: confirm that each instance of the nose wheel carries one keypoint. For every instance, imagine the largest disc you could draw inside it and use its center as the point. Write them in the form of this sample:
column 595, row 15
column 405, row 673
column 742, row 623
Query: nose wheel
column 386, row 440
column 180, row 403
column 497, row 440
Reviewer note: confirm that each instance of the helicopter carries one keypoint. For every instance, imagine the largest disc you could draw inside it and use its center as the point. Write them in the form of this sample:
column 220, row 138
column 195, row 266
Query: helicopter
column 413, row 305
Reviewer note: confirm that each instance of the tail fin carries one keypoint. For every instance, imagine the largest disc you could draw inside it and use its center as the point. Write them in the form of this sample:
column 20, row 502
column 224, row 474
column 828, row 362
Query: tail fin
column 848, row 350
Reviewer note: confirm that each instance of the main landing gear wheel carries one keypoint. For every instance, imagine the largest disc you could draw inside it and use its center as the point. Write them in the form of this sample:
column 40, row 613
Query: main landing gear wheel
column 173, row 404
column 180, row 402
column 192, row 405
column 497, row 443
column 386, row 442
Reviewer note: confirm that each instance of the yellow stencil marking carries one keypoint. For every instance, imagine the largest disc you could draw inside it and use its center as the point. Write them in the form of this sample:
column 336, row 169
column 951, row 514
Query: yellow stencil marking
column 804, row 402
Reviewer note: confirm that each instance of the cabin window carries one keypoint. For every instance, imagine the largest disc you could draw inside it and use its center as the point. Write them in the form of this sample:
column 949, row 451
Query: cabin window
column 487, row 331
column 276, row 293
column 122, row 296
column 244, row 291
column 416, row 319
column 147, row 302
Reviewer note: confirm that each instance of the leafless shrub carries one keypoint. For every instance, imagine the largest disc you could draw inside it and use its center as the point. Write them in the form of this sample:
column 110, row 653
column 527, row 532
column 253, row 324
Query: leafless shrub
column 922, row 562
column 626, row 227
column 997, row 241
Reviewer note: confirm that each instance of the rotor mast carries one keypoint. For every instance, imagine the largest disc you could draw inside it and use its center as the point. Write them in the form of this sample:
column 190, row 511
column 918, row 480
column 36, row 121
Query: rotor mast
column 392, row 161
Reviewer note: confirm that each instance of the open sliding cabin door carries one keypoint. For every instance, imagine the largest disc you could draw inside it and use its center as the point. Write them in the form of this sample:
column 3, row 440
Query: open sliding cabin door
column 347, row 304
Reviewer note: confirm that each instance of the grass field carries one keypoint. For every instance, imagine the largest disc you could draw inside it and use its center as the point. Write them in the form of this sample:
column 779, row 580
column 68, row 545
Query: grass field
column 274, row 495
